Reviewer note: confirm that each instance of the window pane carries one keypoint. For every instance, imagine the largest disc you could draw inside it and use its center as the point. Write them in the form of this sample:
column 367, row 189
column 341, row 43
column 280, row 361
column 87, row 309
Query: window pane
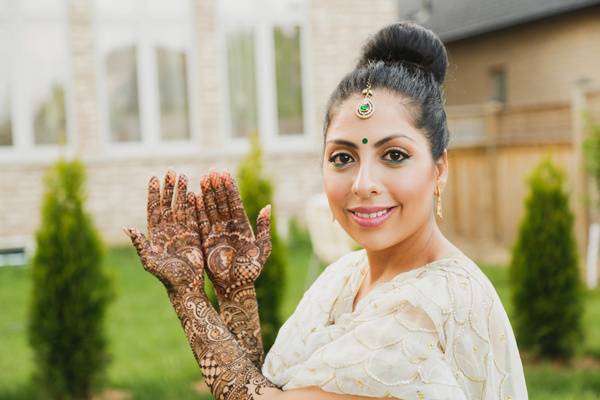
column 44, row 46
column 242, row 81
column 288, row 71
column 49, row 118
column 172, row 85
column 122, row 88
column 5, row 122
column 499, row 84
column 6, row 138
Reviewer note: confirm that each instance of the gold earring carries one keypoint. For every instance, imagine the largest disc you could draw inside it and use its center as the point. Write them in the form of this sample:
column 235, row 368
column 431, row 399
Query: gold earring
column 439, row 200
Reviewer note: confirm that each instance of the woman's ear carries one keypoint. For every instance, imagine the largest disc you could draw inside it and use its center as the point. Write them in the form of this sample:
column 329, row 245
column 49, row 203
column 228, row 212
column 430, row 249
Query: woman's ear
column 441, row 167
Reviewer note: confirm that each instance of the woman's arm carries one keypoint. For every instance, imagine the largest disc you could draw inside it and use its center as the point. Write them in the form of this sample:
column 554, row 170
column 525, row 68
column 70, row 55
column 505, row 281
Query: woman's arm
column 240, row 314
column 234, row 258
column 227, row 371
column 172, row 254
column 316, row 393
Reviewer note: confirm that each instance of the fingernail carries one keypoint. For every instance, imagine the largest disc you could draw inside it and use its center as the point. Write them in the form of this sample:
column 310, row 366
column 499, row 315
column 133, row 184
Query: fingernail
column 214, row 178
column 205, row 182
column 267, row 210
column 171, row 176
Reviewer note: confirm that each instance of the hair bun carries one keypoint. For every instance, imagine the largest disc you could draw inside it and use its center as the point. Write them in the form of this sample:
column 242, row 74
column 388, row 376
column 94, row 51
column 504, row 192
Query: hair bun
column 407, row 42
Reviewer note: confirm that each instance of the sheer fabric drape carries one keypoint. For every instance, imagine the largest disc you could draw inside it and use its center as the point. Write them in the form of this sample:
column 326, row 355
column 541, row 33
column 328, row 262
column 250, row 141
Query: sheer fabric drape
column 435, row 332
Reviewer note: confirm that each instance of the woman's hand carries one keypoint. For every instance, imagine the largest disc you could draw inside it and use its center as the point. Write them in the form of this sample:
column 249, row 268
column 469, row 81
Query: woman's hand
column 234, row 257
column 172, row 252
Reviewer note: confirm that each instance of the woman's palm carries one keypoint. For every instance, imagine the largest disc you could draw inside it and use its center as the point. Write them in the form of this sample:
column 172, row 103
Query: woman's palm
column 172, row 252
column 234, row 256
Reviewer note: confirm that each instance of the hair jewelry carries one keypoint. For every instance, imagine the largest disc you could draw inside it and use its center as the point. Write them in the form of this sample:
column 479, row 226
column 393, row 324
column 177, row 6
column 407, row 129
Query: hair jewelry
column 365, row 108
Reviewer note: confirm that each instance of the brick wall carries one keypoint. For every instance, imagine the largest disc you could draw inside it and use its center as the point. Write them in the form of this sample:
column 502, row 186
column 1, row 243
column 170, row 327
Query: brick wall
column 117, row 184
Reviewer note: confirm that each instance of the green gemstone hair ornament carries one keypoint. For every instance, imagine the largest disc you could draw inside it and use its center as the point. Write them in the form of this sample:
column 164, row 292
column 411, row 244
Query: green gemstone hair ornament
column 365, row 140
column 365, row 107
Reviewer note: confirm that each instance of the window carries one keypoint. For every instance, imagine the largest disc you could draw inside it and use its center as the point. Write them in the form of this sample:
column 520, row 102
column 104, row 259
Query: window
column 33, row 75
column 265, row 81
column 173, row 94
column 241, row 72
column 122, row 94
column 144, row 56
column 6, row 133
column 498, row 76
column 288, row 69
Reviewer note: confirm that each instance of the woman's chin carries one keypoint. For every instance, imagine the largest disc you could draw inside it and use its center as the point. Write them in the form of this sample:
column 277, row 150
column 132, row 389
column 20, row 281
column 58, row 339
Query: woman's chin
column 374, row 241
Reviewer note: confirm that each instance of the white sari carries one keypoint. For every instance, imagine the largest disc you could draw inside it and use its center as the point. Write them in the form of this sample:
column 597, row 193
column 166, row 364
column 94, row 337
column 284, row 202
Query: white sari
column 438, row 331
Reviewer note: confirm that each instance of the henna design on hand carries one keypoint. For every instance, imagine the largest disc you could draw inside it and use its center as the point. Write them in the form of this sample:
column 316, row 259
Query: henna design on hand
column 234, row 257
column 173, row 254
column 229, row 374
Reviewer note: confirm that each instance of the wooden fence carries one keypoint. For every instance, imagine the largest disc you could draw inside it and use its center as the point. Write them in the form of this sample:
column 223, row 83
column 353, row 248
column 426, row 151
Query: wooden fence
column 493, row 148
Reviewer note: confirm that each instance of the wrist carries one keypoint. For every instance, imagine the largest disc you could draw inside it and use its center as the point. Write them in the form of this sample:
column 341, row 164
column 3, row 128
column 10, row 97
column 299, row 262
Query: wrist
column 236, row 294
column 181, row 291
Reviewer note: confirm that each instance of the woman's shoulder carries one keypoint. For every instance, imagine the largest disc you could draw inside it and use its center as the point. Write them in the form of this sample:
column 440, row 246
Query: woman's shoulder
column 452, row 286
column 459, row 273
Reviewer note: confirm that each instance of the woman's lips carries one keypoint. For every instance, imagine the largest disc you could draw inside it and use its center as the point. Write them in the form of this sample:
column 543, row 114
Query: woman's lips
column 371, row 222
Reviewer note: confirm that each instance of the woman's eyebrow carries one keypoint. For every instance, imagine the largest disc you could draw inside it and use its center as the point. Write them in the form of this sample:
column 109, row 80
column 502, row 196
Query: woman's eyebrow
column 379, row 143
column 388, row 138
column 343, row 142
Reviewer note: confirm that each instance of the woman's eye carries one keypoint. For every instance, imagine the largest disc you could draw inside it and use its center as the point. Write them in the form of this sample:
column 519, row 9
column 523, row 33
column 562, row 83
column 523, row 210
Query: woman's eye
column 396, row 155
column 343, row 159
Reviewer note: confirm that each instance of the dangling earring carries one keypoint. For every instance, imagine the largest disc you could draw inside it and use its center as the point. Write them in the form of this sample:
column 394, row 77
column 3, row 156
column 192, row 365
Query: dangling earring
column 332, row 218
column 439, row 200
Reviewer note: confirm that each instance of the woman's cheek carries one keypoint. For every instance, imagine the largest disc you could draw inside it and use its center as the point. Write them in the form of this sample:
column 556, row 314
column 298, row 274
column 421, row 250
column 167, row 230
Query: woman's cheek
column 337, row 192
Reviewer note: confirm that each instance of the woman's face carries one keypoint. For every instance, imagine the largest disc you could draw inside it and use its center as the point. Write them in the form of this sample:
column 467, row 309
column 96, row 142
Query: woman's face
column 392, row 173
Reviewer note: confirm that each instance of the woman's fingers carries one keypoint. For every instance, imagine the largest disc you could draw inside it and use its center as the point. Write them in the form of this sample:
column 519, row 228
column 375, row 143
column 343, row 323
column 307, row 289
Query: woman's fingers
column 203, row 222
column 141, row 244
column 263, row 233
column 167, row 196
column 208, row 197
column 153, row 207
column 220, row 197
column 181, row 201
column 191, row 215
column 236, row 206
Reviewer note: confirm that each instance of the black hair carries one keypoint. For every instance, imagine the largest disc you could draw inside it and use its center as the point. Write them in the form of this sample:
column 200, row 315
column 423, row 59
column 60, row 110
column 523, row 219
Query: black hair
column 407, row 59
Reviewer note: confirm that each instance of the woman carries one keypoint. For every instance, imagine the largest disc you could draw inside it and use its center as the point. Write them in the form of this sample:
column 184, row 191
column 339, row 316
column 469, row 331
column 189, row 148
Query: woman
column 409, row 316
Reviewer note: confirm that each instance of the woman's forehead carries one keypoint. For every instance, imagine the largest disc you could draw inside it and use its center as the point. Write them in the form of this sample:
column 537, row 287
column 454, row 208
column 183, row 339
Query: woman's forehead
column 376, row 128
column 389, row 115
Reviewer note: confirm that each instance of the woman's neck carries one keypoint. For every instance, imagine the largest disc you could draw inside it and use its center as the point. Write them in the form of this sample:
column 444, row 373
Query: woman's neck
column 426, row 245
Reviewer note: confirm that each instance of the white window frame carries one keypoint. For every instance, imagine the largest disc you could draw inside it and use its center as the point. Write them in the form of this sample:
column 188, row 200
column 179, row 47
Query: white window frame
column 148, row 91
column 23, row 148
column 263, row 18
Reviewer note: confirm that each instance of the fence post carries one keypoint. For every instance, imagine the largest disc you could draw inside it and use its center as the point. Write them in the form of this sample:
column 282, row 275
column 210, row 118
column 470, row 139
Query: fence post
column 492, row 110
column 580, row 192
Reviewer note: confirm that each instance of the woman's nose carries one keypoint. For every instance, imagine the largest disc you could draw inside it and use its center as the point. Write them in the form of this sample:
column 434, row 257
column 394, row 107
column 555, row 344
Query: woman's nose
column 365, row 184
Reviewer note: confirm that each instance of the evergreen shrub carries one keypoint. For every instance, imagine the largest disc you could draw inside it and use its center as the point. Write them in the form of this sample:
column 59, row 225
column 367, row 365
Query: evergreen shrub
column 544, row 274
column 70, row 291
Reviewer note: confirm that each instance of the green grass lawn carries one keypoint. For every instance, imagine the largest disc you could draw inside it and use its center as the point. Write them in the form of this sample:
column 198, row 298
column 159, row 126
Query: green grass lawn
column 152, row 360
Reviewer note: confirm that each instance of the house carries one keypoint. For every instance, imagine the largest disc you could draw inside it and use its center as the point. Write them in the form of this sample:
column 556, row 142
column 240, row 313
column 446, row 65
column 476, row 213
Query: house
column 520, row 75
column 134, row 88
